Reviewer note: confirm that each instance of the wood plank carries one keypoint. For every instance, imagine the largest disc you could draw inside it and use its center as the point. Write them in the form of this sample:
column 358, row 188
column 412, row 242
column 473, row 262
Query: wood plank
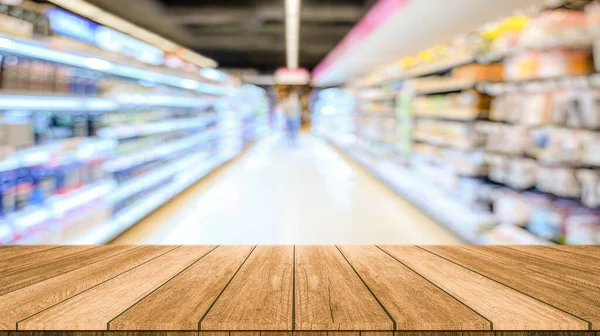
column 556, row 292
column 343, row 333
column 150, row 333
column 330, row 296
column 574, row 275
column 7, row 252
column 181, row 303
column 45, row 270
column 501, row 305
column 586, row 250
column 244, row 333
column 562, row 256
column 395, row 286
column 277, row 333
column 545, row 333
column 259, row 297
column 444, row 333
column 55, row 333
column 18, row 305
column 94, row 308
column 18, row 263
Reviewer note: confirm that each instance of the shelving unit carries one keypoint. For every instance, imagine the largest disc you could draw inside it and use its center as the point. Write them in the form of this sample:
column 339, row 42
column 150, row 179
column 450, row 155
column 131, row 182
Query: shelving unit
column 522, row 162
column 100, row 140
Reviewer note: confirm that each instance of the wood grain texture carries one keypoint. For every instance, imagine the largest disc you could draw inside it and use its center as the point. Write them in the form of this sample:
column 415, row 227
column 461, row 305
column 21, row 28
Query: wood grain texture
column 330, row 296
column 259, row 297
column 586, row 250
column 574, row 275
column 94, row 308
column 244, row 333
column 19, row 263
column 214, row 333
column 55, row 333
column 26, row 276
column 579, row 260
column 556, row 292
column 20, row 304
column 150, row 333
column 376, row 333
column 275, row 333
column 444, row 333
column 396, row 286
column 181, row 303
column 309, row 333
column 7, row 252
column 343, row 333
column 545, row 333
column 501, row 305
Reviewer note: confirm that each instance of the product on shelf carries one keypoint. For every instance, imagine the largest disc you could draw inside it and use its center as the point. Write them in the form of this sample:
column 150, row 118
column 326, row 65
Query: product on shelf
column 548, row 64
column 465, row 105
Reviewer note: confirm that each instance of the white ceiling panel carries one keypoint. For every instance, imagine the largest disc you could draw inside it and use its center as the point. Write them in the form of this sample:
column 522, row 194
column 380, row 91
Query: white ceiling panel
column 416, row 25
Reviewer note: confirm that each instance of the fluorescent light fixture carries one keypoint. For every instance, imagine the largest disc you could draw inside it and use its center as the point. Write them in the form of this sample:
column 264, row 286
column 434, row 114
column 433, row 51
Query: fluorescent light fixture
column 97, row 64
column 292, row 32
column 6, row 43
column 213, row 74
column 94, row 13
column 15, row 46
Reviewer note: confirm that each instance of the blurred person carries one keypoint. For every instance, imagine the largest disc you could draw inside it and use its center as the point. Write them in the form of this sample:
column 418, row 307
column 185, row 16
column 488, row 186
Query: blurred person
column 292, row 108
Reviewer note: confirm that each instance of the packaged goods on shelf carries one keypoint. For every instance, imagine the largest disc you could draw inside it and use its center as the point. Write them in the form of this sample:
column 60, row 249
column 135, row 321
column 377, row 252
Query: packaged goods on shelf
column 466, row 105
column 548, row 64
column 509, row 234
column 556, row 29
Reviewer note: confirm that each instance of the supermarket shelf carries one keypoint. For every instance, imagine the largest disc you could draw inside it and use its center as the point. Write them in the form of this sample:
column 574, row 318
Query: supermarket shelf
column 452, row 113
column 459, row 143
column 153, row 178
column 18, row 46
column 540, row 84
column 55, row 102
column 49, row 102
column 467, row 224
column 25, row 221
column 151, row 128
column 43, row 153
column 445, row 86
column 126, row 161
column 428, row 69
column 105, row 232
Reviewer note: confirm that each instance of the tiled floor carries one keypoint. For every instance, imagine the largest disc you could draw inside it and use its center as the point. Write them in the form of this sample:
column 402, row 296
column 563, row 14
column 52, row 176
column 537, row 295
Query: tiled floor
column 274, row 194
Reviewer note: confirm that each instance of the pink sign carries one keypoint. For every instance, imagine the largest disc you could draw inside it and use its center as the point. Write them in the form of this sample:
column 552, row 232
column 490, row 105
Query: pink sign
column 380, row 13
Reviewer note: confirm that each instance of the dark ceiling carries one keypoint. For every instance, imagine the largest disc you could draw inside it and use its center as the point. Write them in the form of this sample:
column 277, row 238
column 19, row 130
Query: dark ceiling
column 243, row 34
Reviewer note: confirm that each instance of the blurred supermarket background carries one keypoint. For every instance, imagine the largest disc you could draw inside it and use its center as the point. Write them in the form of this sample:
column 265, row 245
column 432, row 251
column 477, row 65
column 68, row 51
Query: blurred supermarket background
column 418, row 122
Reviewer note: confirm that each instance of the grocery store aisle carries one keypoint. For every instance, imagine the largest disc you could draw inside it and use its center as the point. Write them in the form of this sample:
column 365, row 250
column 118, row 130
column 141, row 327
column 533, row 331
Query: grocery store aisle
column 274, row 194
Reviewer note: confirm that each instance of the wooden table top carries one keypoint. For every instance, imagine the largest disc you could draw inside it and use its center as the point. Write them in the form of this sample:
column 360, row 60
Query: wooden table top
column 324, row 290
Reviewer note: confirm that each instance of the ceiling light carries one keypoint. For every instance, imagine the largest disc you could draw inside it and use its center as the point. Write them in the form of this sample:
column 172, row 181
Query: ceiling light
column 92, row 12
column 96, row 64
column 212, row 74
column 292, row 32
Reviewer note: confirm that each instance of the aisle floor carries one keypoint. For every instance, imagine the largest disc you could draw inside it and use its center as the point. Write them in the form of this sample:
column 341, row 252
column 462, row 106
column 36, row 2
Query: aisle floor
column 275, row 194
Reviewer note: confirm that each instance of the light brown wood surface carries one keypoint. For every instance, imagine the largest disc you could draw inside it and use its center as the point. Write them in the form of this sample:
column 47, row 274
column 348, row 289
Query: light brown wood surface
column 397, row 286
column 553, row 291
column 558, row 270
column 94, row 308
column 181, row 303
column 25, row 276
column 260, row 295
column 16, row 251
column 18, row 305
column 331, row 296
column 299, row 291
column 502, row 305
column 585, row 262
